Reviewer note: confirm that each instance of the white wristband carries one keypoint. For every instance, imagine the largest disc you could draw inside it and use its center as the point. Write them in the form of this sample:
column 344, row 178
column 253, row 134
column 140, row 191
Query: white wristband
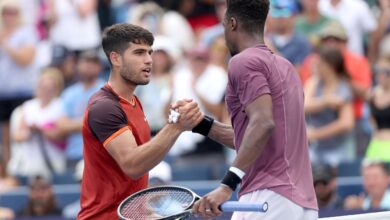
column 237, row 171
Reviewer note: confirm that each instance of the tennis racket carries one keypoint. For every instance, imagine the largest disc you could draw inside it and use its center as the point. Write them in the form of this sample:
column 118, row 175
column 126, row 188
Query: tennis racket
column 172, row 203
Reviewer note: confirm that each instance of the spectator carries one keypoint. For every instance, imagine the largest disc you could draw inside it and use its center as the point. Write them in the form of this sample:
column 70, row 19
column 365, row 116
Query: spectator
column 356, row 18
column 167, row 23
column 325, row 186
column 375, row 182
column 18, row 73
column 76, row 25
column 219, row 53
column 209, row 34
column 38, row 154
column 383, row 28
column 329, row 111
column 291, row 45
column 41, row 200
column 160, row 175
column 6, row 214
column 380, row 110
column 65, row 61
column 206, row 84
column 311, row 22
column 105, row 13
column 74, row 100
column 71, row 210
column 7, row 182
column 358, row 68
column 156, row 96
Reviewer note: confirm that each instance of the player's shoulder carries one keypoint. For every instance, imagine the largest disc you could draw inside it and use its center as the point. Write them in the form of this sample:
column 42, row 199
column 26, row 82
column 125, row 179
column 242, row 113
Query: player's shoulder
column 103, row 99
column 254, row 57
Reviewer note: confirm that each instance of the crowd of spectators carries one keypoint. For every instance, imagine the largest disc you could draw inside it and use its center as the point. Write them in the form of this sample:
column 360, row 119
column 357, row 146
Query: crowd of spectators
column 51, row 63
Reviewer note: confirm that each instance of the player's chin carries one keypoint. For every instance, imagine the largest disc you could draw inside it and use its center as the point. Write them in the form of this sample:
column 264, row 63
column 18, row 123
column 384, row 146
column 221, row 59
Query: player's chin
column 144, row 81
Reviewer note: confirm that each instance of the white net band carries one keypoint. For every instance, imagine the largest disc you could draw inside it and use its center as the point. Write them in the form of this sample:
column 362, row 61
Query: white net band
column 369, row 216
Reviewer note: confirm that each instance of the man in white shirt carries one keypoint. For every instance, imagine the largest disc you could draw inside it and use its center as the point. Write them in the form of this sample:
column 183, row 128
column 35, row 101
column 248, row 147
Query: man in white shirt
column 356, row 18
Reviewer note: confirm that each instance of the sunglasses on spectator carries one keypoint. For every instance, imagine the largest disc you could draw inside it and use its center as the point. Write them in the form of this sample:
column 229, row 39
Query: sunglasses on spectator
column 323, row 182
column 331, row 38
column 8, row 11
column 385, row 71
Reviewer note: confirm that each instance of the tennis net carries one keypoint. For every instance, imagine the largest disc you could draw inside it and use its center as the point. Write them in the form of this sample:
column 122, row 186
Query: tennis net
column 369, row 216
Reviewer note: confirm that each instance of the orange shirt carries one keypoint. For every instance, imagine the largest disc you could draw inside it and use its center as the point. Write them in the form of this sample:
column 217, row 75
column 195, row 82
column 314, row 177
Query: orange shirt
column 358, row 68
column 104, row 184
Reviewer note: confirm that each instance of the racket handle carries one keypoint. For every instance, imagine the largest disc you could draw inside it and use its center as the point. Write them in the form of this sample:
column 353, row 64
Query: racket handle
column 244, row 207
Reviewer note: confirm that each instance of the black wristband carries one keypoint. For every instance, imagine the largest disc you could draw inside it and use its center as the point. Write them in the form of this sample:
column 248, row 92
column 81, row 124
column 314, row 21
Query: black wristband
column 204, row 126
column 231, row 180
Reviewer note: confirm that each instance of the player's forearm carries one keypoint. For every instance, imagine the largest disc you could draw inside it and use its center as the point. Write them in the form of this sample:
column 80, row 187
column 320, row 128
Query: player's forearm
column 222, row 133
column 153, row 152
column 256, row 136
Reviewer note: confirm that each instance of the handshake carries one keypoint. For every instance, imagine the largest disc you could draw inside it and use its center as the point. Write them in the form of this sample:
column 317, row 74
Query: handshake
column 185, row 114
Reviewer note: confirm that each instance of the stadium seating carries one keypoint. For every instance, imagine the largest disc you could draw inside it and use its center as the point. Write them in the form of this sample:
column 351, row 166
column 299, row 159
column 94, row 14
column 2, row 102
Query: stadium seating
column 17, row 199
column 188, row 172
column 349, row 168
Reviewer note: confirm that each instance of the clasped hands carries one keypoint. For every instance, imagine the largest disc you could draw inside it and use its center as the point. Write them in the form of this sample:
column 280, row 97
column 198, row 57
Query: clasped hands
column 185, row 114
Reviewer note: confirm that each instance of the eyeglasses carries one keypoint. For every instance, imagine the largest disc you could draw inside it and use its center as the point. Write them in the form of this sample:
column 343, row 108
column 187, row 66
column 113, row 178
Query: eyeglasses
column 382, row 70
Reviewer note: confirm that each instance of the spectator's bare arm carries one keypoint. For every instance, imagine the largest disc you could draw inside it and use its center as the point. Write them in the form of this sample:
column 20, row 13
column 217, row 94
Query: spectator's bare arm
column 313, row 104
column 353, row 202
column 23, row 56
column 344, row 123
column 380, row 32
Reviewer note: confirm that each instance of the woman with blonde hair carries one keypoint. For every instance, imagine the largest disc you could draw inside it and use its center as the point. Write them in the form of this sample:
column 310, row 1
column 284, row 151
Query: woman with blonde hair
column 18, row 72
column 38, row 154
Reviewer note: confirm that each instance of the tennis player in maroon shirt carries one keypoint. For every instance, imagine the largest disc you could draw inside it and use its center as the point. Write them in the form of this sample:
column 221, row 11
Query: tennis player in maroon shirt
column 264, row 97
column 118, row 152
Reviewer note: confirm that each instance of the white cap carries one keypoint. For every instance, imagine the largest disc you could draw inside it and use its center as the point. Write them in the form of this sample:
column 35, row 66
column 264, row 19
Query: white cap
column 168, row 45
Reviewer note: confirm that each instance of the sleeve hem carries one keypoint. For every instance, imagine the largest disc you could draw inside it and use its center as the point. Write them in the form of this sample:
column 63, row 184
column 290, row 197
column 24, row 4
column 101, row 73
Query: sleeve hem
column 257, row 95
column 114, row 135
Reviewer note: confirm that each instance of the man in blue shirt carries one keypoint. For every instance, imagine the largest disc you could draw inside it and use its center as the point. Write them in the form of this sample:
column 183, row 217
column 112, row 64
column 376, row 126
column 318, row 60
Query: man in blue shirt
column 75, row 99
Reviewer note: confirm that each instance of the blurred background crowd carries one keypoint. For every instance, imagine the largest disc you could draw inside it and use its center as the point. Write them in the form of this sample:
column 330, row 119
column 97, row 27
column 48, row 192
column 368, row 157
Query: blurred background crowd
column 51, row 63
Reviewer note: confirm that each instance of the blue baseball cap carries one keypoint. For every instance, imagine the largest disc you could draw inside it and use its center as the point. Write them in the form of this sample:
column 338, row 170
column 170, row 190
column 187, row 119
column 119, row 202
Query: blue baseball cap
column 283, row 8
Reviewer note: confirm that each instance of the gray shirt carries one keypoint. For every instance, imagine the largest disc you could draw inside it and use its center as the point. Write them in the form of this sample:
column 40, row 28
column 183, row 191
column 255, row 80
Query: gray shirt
column 18, row 81
column 329, row 115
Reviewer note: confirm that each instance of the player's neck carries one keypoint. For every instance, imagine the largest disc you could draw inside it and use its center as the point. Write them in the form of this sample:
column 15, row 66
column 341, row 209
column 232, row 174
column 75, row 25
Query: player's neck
column 248, row 40
column 122, row 88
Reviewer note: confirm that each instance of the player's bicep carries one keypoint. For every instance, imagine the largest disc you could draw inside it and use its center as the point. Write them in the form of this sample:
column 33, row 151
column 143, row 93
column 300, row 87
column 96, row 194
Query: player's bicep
column 260, row 109
column 121, row 146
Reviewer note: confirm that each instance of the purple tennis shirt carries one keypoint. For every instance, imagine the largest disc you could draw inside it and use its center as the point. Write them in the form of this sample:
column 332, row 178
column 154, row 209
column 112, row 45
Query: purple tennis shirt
column 284, row 165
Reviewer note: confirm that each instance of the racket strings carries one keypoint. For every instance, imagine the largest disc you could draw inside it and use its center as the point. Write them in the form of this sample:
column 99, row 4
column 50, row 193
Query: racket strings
column 157, row 204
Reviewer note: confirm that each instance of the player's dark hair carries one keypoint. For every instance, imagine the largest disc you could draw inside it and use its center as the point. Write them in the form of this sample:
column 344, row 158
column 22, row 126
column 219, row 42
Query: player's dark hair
column 252, row 14
column 116, row 38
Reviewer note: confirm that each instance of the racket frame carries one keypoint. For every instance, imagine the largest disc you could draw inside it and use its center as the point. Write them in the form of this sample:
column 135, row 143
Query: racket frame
column 187, row 210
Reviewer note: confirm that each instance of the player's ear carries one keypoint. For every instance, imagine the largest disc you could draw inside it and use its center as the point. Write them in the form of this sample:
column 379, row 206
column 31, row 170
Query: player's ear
column 233, row 23
column 115, row 59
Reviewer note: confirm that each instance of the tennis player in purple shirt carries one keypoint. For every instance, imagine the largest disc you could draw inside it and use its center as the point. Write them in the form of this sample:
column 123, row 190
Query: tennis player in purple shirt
column 265, row 100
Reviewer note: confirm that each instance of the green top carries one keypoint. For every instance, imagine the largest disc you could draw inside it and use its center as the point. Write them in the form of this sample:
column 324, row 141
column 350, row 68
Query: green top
column 311, row 30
